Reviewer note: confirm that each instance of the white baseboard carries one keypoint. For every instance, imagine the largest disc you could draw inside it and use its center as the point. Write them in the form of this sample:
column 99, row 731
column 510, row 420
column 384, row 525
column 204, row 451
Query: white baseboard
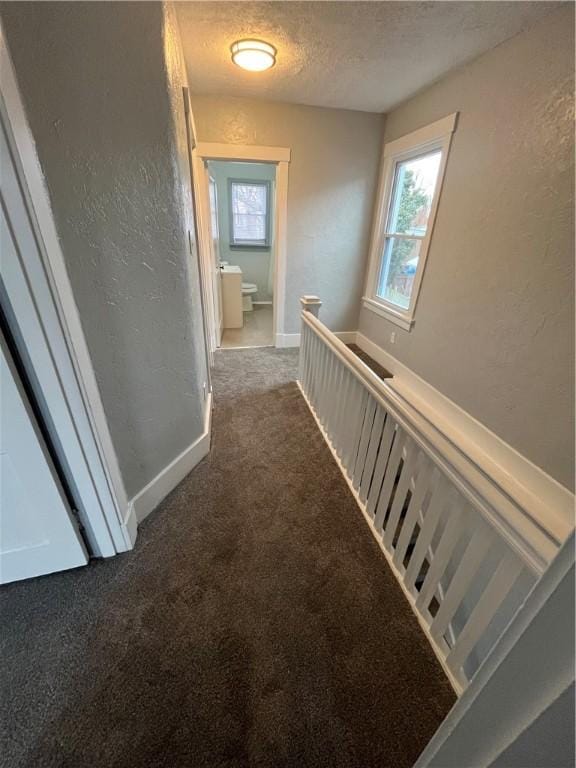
column 348, row 337
column 284, row 340
column 149, row 497
column 535, row 490
column 130, row 527
column 293, row 339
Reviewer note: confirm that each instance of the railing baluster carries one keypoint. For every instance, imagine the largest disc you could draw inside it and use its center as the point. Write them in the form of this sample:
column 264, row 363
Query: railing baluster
column 363, row 444
column 347, row 381
column 354, row 422
column 316, row 360
column 305, row 360
column 302, row 355
column 322, row 354
column 389, row 479
column 338, row 404
column 309, row 356
column 450, row 536
column 422, row 486
column 358, row 427
column 381, row 464
column 372, row 453
column 439, row 501
column 472, row 558
column 400, row 494
column 492, row 598
column 310, row 366
column 329, row 423
column 305, row 356
column 350, row 412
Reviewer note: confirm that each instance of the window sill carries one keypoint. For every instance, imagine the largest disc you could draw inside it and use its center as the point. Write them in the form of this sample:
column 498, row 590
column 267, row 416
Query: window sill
column 397, row 317
column 246, row 247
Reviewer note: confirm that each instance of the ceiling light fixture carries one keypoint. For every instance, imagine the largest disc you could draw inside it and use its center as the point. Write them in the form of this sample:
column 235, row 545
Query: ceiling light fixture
column 253, row 55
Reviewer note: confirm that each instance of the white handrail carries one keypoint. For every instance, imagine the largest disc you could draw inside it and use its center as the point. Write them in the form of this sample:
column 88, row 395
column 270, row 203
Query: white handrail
column 536, row 544
column 463, row 549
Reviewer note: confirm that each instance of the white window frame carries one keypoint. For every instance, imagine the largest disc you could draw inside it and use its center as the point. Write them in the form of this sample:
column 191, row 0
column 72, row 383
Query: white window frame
column 436, row 136
column 249, row 244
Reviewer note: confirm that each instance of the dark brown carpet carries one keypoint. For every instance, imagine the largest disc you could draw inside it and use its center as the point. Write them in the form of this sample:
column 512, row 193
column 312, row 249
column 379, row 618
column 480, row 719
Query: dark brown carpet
column 255, row 624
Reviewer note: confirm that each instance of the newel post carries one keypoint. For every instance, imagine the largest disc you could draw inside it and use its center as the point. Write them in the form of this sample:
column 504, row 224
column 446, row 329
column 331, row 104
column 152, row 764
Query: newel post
column 310, row 304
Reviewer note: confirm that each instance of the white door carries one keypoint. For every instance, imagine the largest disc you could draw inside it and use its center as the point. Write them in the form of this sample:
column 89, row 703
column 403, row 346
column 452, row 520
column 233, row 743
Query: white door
column 218, row 312
column 38, row 533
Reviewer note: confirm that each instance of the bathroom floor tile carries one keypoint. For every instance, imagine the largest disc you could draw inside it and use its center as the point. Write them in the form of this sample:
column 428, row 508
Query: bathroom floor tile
column 257, row 330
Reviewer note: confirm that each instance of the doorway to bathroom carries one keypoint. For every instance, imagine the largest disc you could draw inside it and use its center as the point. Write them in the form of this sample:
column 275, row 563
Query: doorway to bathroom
column 241, row 195
column 242, row 198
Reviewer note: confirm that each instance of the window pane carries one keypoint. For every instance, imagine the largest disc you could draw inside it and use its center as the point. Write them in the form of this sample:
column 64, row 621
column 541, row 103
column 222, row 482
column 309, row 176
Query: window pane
column 248, row 227
column 412, row 193
column 249, row 212
column 398, row 270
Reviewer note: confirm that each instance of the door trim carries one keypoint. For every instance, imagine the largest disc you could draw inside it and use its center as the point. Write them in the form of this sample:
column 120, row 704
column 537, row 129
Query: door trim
column 202, row 200
column 198, row 215
column 280, row 157
column 218, row 309
column 243, row 152
column 69, row 384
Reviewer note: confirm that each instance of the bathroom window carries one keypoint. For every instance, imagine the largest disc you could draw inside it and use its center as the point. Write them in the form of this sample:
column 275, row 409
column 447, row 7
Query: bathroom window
column 411, row 178
column 249, row 213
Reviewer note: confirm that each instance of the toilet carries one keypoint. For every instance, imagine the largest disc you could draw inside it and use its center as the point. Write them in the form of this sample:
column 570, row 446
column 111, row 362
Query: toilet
column 248, row 290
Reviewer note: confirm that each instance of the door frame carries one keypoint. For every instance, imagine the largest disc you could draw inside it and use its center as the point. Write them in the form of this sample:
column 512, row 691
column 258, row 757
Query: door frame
column 218, row 310
column 205, row 296
column 204, row 235
column 44, row 310
column 278, row 156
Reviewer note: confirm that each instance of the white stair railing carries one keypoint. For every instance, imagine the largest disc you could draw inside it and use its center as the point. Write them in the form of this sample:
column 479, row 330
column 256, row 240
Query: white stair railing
column 464, row 553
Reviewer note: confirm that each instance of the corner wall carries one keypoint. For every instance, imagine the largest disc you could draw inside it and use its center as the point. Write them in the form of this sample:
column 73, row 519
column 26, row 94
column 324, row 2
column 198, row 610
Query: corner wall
column 494, row 326
column 331, row 186
column 101, row 84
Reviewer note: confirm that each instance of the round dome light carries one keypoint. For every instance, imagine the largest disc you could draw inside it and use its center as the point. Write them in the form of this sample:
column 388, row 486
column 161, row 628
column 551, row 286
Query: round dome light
column 253, row 55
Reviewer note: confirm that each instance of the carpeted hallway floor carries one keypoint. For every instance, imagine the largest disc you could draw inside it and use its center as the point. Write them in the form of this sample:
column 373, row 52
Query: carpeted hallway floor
column 255, row 623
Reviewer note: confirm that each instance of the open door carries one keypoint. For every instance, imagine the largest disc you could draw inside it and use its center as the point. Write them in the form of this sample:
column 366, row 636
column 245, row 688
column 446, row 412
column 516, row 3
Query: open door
column 217, row 273
column 38, row 533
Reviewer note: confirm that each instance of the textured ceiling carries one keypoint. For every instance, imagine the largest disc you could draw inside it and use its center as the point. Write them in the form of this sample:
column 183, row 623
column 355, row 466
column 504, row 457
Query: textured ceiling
column 354, row 55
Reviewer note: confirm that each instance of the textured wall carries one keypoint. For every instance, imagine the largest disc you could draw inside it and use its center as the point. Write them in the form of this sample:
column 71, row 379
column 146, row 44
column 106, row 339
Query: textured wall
column 332, row 179
column 548, row 740
column 255, row 264
column 101, row 89
column 494, row 322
